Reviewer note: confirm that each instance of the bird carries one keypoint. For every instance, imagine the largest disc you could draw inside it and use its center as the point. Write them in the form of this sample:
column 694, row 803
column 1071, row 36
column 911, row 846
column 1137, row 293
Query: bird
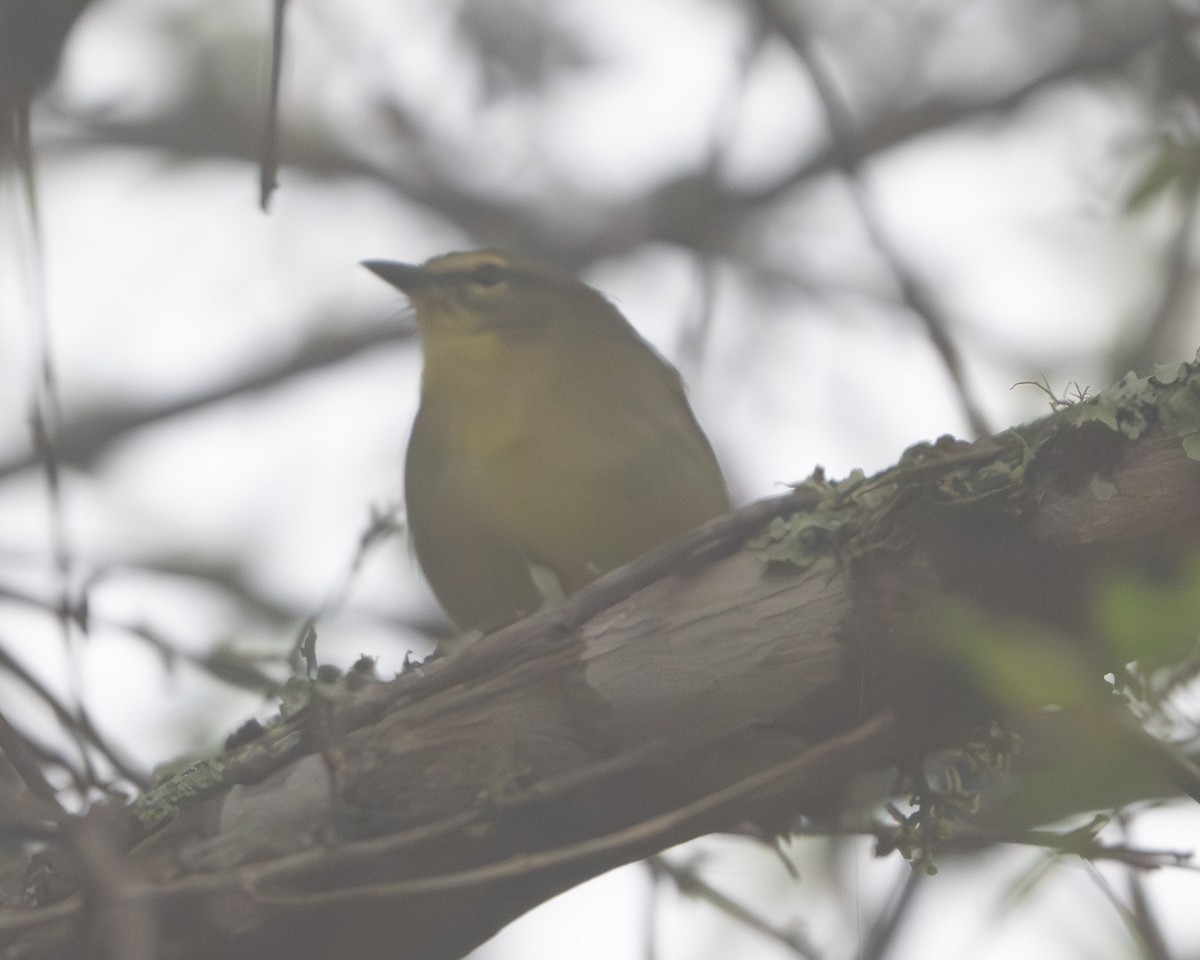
column 551, row 444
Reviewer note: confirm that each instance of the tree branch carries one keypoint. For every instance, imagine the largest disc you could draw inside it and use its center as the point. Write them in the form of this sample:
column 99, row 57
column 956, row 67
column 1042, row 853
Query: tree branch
column 749, row 672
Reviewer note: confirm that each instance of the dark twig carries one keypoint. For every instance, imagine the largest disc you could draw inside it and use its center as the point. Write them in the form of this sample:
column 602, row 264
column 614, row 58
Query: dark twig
column 1140, row 909
column 268, row 170
column 16, row 750
column 75, row 721
column 689, row 882
column 883, row 932
column 1081, row 843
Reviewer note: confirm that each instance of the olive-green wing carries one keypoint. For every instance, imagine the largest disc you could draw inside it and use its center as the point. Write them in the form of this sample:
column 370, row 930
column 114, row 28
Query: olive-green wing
column 621, row 468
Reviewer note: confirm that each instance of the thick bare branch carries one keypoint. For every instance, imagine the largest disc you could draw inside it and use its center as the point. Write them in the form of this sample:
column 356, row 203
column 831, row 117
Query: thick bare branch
column 746, row 673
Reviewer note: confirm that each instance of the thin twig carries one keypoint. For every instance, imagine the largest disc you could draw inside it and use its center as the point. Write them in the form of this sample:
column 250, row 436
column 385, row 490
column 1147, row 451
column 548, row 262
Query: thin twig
column 268, row 170
column 689, row 882
column 76, row 722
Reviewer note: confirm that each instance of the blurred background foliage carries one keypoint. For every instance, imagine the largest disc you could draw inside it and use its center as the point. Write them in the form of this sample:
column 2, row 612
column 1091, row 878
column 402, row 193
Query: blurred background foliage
column 853, row 225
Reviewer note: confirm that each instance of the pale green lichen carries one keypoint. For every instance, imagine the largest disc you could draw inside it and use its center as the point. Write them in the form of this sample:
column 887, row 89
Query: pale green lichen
column 1169, row 399
column 186, row 781
column 1181, row 409
column 805, row 537
column 159, row 805
column 955, row 473
column 995, row 473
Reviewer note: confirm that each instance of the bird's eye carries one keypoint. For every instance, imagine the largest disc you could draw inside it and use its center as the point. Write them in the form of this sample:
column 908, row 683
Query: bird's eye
column 487, row 274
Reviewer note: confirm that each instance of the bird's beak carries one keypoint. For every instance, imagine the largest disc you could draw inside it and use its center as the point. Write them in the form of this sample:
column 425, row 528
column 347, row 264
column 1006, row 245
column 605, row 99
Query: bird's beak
column 406, row 277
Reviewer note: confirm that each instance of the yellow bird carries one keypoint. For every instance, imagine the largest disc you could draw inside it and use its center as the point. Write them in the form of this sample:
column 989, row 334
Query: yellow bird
column 552, row 443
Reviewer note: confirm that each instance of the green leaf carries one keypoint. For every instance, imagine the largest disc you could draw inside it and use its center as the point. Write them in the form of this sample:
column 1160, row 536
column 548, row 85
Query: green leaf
column 1022, row 663
column 1152, row 621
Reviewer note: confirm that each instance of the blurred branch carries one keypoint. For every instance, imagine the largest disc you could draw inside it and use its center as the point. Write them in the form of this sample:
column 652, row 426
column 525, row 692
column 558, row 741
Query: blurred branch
column 688, row 882
column 1081, row 843
column 78, row 723
column 849, row 154
column 93, row 856
column 1146, row 925
column 901, row 123
column 219, row 659
column 916, row 295
column 1150, row 949
column 695, row 210
column 1165, row 333
column 882, row 934
column 965, row 836
column 87, row 436
column 16, row 751
column 32, row 35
